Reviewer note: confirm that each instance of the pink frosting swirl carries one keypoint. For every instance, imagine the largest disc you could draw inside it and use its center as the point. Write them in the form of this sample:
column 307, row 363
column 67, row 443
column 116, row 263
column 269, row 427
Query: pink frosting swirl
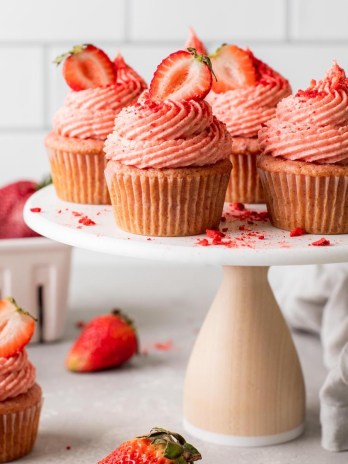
column 17, row 375
column 312, row 125
column 167, row 134
column 91, row 113
column 245, row 110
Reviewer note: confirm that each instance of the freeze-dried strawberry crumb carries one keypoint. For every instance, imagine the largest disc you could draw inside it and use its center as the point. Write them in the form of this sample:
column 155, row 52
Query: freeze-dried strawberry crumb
column 86, row 221
column 164, row 346
column 203, row 242
column 297, row 232
column 237, row 206
column 241, row 227
column 214, row 234
column 321, row 242
column 223, row 219
column 35, row 210
column 261, row 237
column 76, row 213
column 224, row 229
column 148, row 238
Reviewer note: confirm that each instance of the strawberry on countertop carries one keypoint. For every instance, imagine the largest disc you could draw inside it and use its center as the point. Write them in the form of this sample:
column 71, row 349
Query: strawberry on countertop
column 158, row 447
column 86, row 66
column 183, row 75
column 12, row 200
column 194, row 42
column 106, row 341
column 16, row 327
column 233, row 67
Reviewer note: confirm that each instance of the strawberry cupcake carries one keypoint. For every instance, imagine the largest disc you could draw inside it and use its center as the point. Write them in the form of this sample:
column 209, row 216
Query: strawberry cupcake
column 304, row 165
column 244, row 95
column 20, row 395
column 168, row 165
column 100, row 89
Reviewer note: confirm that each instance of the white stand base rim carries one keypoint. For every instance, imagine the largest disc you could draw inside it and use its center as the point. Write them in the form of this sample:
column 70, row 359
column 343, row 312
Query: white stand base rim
column 230, row 440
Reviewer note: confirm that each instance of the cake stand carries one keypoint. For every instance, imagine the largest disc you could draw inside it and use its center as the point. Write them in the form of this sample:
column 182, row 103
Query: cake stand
column 244, row 383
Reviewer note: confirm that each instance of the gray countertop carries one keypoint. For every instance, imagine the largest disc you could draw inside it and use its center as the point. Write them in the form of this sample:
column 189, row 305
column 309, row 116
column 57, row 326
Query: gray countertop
column 85, row 416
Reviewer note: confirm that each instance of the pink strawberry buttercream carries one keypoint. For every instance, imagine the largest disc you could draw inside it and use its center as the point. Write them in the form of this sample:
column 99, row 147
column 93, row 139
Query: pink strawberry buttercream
column 167, row 134
column 91, row 113
column 17, row 375
column 312, row 125
column 244, row 110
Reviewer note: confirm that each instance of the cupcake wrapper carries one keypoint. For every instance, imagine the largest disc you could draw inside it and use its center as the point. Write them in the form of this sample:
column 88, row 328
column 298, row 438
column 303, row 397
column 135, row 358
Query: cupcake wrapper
column 318, row 204
column 18, row 431
column 79, row 178
column 245, row 184
column 168, row 202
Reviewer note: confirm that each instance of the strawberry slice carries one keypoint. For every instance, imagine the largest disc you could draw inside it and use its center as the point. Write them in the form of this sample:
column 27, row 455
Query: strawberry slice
column 87, row 67
column 233, row 67
column 194, row 42
column 16, row 327
column 183, row 75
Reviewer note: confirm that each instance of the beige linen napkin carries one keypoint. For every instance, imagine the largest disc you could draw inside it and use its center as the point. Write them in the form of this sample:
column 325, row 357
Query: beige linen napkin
column 315, row 298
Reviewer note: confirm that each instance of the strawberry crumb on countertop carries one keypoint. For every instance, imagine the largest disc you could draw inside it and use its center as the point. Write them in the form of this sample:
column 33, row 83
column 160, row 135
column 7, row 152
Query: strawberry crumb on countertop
column 321, row 242
column 35, row 210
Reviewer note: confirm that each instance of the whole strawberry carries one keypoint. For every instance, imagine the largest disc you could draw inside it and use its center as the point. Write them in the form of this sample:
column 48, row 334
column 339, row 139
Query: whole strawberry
column 158, row 447
column 106, row 341
column 12, row 200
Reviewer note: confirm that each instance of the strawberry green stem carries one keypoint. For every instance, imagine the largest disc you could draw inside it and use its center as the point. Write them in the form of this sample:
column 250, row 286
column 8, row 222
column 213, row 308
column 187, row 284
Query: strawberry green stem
column 203, row 59
column 74, row 51
column 174, row 445
column 11, row 300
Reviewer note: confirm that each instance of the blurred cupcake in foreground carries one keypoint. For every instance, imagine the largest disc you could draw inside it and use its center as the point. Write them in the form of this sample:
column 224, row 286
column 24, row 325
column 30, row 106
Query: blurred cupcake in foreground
column 304, row 168
column 168, row 155
column 100, row 89
column 244, row 96
column 20, row 396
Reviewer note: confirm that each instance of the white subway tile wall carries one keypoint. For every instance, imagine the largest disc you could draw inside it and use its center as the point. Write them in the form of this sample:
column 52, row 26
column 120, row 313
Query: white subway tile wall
column 300, row 38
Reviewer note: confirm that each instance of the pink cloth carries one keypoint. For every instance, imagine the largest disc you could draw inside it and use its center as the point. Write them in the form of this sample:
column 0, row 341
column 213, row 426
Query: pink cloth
column 17, row 375
column 167, row 134
column 312, row 125
column 245, row 110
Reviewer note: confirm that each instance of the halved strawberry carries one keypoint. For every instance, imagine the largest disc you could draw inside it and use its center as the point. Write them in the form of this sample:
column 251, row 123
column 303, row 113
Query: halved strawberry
column 16, row 327
column 233, row 67
column 86, row 67
column 183, row 75
column 160, row 446
column 194, row 42
column 119, row 62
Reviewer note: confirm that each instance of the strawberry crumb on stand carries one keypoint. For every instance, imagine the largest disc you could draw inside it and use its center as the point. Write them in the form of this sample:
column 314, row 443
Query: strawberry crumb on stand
column 100, row 88
column 170, row 153
column 297, row 232
column 321, row 242
column 160, row 446
column 304, row 165
column 106, row 342
column 20, row 395
column 244, row 96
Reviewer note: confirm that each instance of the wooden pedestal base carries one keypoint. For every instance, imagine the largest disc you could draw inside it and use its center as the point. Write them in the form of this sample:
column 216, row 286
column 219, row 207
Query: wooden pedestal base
column 244, row 383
